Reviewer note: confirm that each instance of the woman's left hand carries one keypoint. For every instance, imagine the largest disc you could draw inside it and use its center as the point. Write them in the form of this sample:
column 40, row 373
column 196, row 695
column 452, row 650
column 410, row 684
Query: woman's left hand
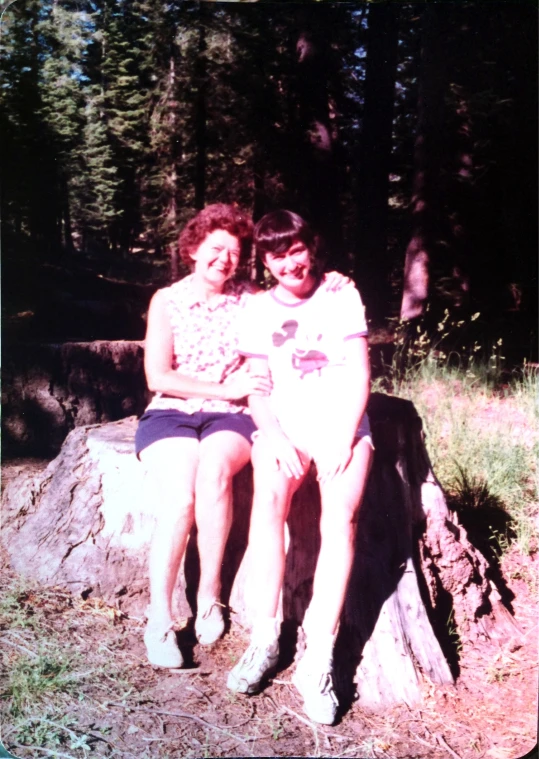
column 333, row 463
column 334, row 281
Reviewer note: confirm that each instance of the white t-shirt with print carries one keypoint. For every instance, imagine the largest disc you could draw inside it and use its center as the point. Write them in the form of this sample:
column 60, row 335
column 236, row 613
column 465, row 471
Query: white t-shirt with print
column 305, row 346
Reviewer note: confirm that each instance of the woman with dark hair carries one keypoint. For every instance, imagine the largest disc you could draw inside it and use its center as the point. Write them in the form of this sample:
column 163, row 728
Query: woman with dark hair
column 195, row 435
column 313, row 344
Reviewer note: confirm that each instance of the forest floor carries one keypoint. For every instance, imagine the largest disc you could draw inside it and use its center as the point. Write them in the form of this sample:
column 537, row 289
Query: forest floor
column 75, row 683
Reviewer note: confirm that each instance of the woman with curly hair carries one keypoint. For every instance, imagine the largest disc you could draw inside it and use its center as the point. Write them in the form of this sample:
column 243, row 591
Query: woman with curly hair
column 195, row 435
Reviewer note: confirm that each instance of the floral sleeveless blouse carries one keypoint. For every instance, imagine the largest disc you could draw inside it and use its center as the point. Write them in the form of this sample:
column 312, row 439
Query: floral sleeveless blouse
column 205, row 342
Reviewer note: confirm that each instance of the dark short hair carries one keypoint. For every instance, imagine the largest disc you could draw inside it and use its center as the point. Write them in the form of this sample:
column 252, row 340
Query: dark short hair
column 216, row 216
column 278, row 230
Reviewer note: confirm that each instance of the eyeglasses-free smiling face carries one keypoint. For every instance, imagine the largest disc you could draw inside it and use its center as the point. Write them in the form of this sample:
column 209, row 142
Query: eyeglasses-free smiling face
column 292, row 269
column 216, row 258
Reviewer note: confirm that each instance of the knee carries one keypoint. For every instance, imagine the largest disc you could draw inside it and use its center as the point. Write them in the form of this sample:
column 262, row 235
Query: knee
column 214, row 477
column 175, row 509
column 269, row 508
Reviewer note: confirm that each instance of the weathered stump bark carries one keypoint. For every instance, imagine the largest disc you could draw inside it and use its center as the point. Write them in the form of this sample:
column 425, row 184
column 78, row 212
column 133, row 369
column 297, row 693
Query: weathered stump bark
column 48, row 389
column 86, row 522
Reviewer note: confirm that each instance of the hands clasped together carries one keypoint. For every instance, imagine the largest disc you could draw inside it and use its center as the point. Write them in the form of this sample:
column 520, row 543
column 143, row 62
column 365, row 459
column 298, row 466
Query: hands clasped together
column 243, row 383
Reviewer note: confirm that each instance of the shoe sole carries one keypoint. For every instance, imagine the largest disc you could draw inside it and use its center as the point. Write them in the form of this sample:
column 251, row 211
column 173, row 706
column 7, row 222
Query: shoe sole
column 166, row 661
column 320, row 721
column 159, row 663
column 255, row 688
column 205, row 642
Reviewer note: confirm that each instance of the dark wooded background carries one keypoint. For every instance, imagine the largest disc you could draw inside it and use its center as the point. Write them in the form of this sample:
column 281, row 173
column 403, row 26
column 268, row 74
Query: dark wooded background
column 407, row 132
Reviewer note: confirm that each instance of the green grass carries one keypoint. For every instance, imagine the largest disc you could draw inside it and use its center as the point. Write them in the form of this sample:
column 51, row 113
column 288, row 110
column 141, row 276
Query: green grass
column 481, row 427
column 46, row 677
column 34, row 678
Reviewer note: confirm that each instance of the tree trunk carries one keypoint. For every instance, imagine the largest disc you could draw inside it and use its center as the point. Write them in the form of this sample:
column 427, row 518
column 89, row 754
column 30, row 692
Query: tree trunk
column 318, row 176
column 171, row 182
column 66, row 216
column 90, row 520
column 427, row 159
column 200, row 116
column 372, row 266
column 50, row 388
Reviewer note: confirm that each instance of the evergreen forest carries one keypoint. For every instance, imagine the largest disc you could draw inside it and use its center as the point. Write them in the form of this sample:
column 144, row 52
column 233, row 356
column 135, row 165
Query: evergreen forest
column 406, row 133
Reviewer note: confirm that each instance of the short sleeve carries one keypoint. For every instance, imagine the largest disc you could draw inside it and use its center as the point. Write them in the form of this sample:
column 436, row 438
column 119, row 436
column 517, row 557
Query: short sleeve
column 352, row 313
column 252, row 341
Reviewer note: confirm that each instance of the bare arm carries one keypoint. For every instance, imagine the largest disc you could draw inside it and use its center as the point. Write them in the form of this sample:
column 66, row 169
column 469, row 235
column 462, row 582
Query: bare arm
column 161, row 377
column 285, row 453
column 357, row 385
column 353, row 396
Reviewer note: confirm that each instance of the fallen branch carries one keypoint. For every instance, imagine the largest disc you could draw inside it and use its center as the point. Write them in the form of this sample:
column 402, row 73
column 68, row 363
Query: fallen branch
column 441, row 740
column 21, row 648
column 45, row 750
column 420, row 740
column 310, row 724
column 185, row 715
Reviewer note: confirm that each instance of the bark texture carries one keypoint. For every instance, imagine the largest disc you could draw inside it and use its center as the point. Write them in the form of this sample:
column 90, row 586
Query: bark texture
column 428, row 149
column 88, row 520
column 50, row 388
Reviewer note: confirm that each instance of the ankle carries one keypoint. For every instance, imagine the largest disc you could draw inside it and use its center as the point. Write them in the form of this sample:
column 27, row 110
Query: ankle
column 266, row 630
column 204, row 602
column 208, row 592
column 319, row 649
column 158, row 617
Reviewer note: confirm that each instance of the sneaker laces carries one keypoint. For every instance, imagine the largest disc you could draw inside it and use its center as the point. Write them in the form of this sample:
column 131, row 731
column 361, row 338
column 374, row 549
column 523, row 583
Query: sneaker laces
column 210, row 608
column 326, row 684
column 251, row 653
column 160, row 633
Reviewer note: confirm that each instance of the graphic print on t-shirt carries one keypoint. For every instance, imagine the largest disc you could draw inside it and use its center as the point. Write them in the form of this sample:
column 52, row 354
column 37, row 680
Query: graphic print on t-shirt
column 305, row 357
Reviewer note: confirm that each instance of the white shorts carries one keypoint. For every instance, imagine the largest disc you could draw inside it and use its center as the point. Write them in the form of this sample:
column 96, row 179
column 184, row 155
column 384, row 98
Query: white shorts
column 317, row 435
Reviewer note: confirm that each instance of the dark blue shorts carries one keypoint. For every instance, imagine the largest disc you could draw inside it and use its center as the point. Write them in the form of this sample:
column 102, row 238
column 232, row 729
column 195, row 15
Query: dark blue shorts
column 157, row 424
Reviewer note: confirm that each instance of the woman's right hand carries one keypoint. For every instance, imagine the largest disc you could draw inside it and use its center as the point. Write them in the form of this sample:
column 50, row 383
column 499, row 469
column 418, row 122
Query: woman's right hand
column 242, row 383
column 287, row 457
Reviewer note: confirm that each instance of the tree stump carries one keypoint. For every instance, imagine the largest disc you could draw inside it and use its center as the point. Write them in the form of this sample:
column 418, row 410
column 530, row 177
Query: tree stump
column 50, row 388
column 85, row 523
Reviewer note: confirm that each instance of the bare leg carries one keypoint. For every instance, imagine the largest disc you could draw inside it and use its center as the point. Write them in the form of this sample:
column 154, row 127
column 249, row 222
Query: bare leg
column 341, row 500
column 222, row 455
column 273, row 493
column 171, row 465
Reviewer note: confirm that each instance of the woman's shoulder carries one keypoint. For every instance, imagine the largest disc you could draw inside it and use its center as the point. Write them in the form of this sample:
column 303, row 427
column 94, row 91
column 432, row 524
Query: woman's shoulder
column 241, row 287
column 178, row 291
column 346, row 294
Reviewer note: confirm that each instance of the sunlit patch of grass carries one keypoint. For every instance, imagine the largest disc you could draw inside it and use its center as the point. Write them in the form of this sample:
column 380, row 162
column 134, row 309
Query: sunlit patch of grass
column 46, row 674
column 481, row 427
column 32, row 678
column 52, row 730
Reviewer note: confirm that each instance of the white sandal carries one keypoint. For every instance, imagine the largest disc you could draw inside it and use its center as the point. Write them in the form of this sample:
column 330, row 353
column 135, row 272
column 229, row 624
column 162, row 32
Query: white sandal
column 209, row 624
column 162, row 647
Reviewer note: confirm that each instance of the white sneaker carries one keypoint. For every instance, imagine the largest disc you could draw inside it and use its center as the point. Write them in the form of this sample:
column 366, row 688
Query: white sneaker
column 257, row 662
column 162, row 648
column 315, row 685
column 209, row 624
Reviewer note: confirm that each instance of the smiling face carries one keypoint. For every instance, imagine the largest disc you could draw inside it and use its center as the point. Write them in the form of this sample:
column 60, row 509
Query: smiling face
column 292, row 269
column 216, row 258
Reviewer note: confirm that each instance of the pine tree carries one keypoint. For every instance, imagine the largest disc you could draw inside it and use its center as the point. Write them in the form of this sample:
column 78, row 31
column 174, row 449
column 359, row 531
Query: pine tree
column 25, row 160
column 97, row 187
column 64, row 38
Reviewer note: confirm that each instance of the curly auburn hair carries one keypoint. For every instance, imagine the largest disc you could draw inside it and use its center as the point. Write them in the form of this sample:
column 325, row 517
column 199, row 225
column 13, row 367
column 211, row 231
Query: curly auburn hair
column 213, row 217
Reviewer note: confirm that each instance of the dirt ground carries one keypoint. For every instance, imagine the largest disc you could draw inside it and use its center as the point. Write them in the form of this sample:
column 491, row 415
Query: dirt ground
column 111, row 702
